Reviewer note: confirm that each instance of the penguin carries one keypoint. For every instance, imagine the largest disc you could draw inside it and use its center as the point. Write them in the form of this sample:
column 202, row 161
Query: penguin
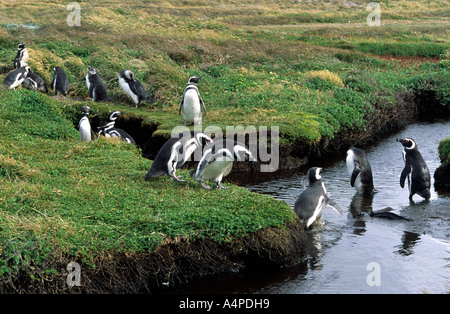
column 175, row 152
column 16, row 77
column 416, row 170
column 217, row 162
column 191, row 103
column 84, row 127
column 97, row 90
column 35, row 82
column 110, row 131
column 312, row 201
column 60, row 82
column 133, row 87
column 21, row 59
column 360, row 172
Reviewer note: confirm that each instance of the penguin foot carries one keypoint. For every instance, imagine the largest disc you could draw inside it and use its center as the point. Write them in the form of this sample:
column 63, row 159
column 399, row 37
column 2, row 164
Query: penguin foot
column 205, row 186
column 178, row 179
column 220, row 186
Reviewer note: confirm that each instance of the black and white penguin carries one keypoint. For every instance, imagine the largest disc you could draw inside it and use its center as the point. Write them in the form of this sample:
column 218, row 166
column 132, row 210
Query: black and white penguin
column 217, row 161
column 312, row 201
column 97, row 90
column 35, row 82
column 133, row 87
column 191, row 103
column 60, row 82
column 16, row 77
column 84, row 127
column 109, row 130
column 175, row 152
column 360, row 172
column 21, row 59
column 416, row 170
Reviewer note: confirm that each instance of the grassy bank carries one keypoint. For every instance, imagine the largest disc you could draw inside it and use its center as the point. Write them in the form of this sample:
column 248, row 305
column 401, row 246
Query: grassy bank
column 315, row 70
column 60, row 197
column 442, row 174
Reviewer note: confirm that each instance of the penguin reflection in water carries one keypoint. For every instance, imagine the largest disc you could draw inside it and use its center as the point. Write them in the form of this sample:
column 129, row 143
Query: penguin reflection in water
column 174, row 154
column 217, row 162
column 312, row 201
column 360, row 172
column 415, row 170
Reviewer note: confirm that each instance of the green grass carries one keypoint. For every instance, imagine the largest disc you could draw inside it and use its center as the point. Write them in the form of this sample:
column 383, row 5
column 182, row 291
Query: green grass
column 315, row 70
column 61, row 196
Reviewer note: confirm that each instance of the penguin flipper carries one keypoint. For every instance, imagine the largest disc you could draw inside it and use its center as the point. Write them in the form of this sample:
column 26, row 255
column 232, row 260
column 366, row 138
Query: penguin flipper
column 181, row 105
column 91, row 90
column 406, row 171
column 53, row 82
column 202, row 104
column 334, row 205
column 355, row 173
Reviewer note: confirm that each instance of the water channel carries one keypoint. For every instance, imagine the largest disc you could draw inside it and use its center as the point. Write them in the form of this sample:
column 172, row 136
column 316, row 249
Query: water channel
column 359, row 253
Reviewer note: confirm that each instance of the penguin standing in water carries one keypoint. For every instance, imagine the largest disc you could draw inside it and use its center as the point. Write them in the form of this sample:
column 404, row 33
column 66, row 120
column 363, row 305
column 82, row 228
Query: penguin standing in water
column 133, row 87
column 217, row 162
column 16, row 77
column 21, row 59
column 312, row 201
column 35, row 82
column 191, row 103
column 360, row 172
column 416, row 170
column 110, row 130
column 84, row 127
column 175, row 152
column 60, row 82
column 97, row 90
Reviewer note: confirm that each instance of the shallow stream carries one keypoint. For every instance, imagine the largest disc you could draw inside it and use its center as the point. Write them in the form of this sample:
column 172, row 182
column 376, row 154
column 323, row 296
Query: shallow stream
column 359, row 253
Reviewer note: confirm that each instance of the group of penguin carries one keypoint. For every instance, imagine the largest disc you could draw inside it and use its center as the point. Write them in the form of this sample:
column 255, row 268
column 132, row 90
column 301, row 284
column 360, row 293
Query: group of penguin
column 217, row 156
column 192, row 104
column 312, row 201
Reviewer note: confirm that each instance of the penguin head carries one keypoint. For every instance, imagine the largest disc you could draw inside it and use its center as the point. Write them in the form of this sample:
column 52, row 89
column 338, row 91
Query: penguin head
column 408, row 143
column 56, row 69
column 241, row 153
column 86, row 109
column 21, row 46
column 92, row 71
column 128, row 74
column 314, row 174
column 193, row 80
column 113, row 116
column 27, row 70
column 202, row 138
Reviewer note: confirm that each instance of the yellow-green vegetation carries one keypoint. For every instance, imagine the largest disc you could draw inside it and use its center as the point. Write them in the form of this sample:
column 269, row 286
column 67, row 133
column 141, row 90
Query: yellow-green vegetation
column 315, row 69
column 60, row 196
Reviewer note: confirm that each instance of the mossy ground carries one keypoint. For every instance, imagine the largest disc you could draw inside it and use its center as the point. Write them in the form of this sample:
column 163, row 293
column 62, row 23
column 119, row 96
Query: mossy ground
column 316, row 71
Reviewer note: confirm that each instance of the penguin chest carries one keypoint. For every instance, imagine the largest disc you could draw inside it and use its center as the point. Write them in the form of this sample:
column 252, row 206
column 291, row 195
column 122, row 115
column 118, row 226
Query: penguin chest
column 126, row 87
column 358, row 183
column 217, row 169
column 87, row 81
column 85, row 130
column 191, row 106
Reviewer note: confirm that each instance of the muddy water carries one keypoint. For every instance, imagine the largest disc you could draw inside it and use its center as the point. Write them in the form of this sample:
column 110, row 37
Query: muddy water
column 357, row 253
